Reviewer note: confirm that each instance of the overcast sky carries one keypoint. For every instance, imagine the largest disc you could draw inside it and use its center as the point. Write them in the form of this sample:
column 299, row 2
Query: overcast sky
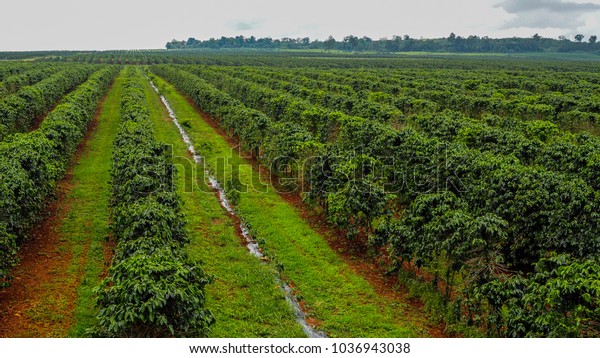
column 137, row 24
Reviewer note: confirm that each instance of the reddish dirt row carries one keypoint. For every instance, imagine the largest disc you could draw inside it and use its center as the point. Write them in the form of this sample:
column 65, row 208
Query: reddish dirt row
column 354, row 253
column 37, row 122
column 41, row 299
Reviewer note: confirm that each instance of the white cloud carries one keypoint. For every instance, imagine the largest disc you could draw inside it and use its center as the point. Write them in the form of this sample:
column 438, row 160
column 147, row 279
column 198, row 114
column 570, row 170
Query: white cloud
column 547, row 14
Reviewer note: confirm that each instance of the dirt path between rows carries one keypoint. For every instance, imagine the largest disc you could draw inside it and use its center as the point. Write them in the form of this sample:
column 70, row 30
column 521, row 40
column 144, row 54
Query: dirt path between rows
column 354, row 253
column 41, row 299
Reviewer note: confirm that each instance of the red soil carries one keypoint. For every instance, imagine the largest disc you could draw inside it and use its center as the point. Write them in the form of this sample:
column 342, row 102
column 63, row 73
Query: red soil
column 41, row 299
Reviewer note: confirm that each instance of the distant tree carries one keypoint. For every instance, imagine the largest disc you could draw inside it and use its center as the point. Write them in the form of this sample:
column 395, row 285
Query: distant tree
column 239, row 41
column 452, row 43
column 316, row 44
column 265, row 42
column 191, row 42
column 408, row 43
column 329, row 43
column 365, row 43
column 223, row 41
column 351, row 41
column 391, row 45
column 175, row 44
column 459, row 44
column 472, row 42
column 212, row 43
column 397, row 42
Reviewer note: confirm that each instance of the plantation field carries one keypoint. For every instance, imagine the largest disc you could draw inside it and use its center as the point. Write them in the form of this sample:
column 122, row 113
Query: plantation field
column 299, row 194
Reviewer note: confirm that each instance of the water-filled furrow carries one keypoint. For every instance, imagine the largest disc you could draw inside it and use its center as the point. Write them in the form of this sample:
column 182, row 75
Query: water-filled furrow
column 251, row 243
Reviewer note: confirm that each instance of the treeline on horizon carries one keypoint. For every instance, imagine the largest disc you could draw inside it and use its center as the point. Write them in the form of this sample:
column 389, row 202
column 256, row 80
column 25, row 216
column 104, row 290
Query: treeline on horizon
column 405, row 43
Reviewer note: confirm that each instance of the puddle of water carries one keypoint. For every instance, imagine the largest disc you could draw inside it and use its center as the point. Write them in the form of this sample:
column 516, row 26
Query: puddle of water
column 251, row 243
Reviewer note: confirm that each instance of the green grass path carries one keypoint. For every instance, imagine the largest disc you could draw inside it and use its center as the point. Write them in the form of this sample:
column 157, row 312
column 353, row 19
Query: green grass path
column 86, row 228
column 244, row 297
column 53, row 295
column 344, row 303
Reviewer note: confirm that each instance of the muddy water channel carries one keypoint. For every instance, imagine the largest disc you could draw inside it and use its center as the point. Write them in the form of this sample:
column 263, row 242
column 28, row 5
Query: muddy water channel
column 251, row 243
